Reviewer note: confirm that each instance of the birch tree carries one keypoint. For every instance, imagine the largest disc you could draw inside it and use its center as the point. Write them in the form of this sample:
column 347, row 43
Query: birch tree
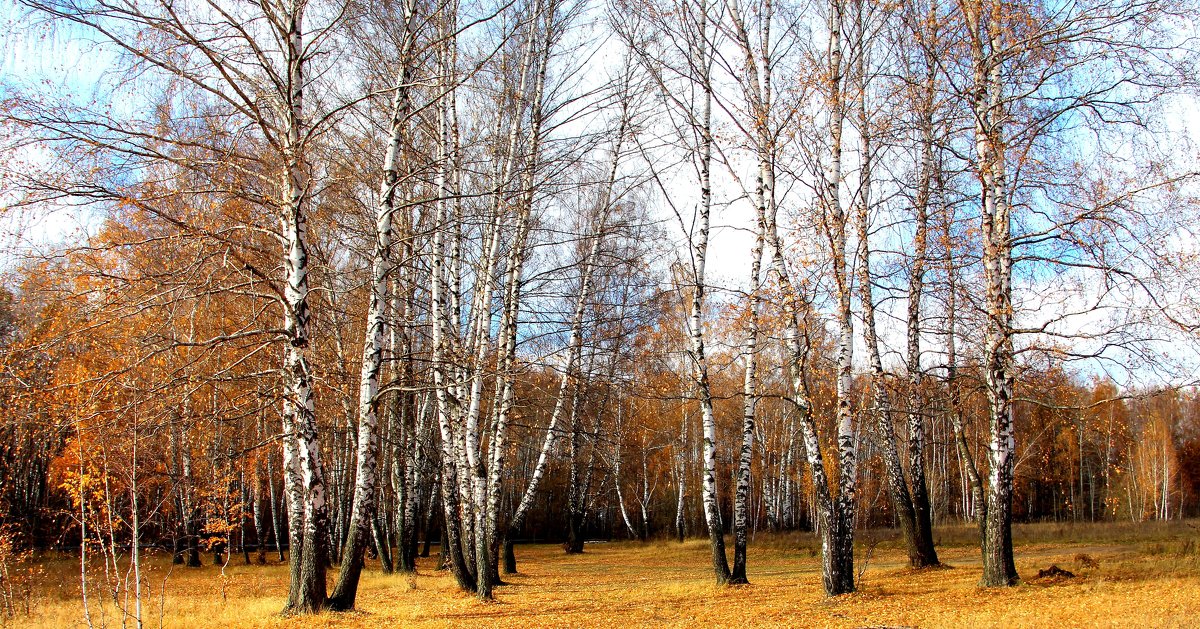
column 254, row 64
column 911, row 506
column 761, row 125
column 1027, row 68
column 928, row 33
column 366, row 474
column 473, row 437
column 836, row 512
column 595, row 236
column 683, row 72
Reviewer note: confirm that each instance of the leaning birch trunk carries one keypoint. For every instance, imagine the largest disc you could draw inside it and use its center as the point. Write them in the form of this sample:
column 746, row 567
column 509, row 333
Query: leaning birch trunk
column 489, row 478
column 966, row 459
column 487, row 540
column 616, row 476
column 474, row 467
column 712, row 513
column 574, row 347
column 618, row 436
column 836, row 513
column 837, row 572
column 920, row 548
column 881, row 404
column 363, row 511
column 836, row 550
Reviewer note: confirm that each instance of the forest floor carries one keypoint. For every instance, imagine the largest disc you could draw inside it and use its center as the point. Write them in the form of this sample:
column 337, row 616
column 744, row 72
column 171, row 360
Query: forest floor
column 1147, row 575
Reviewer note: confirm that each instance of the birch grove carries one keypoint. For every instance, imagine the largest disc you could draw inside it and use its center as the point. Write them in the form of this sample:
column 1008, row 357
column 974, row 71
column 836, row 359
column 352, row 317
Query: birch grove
column 363, row 279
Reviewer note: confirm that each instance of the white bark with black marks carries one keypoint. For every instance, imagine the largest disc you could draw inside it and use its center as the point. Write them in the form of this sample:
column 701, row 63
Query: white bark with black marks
column 366, row 473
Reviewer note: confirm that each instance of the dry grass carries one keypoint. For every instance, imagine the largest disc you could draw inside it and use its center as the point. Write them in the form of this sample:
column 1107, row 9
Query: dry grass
column 1146, row 576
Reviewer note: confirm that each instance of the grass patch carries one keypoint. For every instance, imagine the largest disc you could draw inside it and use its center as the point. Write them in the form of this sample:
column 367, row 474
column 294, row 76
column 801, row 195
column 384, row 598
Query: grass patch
column 1136, row 576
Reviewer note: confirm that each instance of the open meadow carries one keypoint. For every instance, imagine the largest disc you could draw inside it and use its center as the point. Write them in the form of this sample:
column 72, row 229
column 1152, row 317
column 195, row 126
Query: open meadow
column 1148, row 575
column 340, row 276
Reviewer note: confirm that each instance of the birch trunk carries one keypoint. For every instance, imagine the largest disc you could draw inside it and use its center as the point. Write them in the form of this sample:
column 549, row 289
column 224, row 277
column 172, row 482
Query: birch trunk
column 616, row 465
column 838, row 532
column 701, row 52
column 898, row 492
column 969, row 470
column 574, row 344
column 987, row 105
column 260, row 528
column 837, row 559
column 299, row 404
column 681, row 474
column 712, row 514
column 490, row 471
column 741, row 505
column 366, row 474
column 916, row 423
column 835, row 513
column 918, row 539
column 447, row 405
column 758, row 95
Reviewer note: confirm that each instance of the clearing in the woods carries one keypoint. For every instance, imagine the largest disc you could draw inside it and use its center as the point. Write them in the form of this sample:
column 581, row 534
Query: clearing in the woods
column 1125, row 575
